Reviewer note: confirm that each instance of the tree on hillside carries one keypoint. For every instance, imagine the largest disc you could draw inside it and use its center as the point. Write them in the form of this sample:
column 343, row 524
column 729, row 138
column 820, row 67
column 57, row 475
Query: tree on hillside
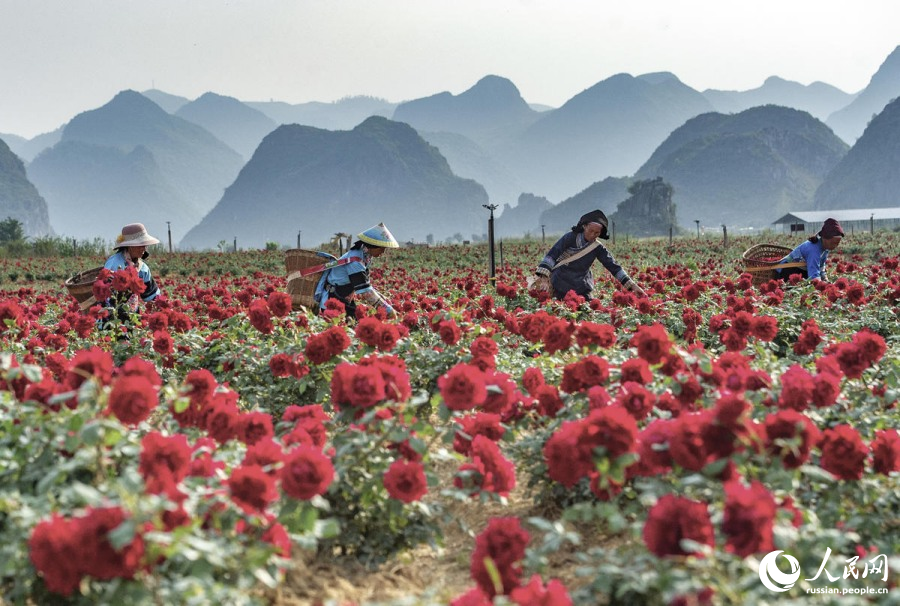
column 11, row 230
column 649, row 210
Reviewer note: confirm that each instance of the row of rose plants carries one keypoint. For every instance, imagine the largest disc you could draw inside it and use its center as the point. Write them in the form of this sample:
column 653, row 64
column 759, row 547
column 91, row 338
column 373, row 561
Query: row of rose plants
column 697, row 429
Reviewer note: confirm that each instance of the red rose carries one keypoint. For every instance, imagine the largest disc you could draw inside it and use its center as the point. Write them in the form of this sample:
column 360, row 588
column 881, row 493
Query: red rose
column 673, row 519
column 636, row 370
column 463, row 387
column 886, row 451
column 584, row 374
column 93, row 362
column 388, row 335
column 535, row 593
column 809, row 338
column 132, row 399
column 601, row 335
column 164, row 455
column 790, row 435
column 852, row 359
column 826, row 389
column 479, row 424
column 796, row 388
column 764, row 328
column 687, row 444
column 55, row 551
column 98, row 558
column 251, row 488
column 558, row 336
column 222, row 419
column 254, row 426
column 498, row 474
column 532, row 378
column 749, row 519
column 449, row 332
column 549, row 403
column 405, row 481
column 260, row 316
column 566, row 461
column 280, row 304
column 652, row 342
column 306, row 473
column 503, row 542
column 636, row 399
column 843, row 452
column 367, row 330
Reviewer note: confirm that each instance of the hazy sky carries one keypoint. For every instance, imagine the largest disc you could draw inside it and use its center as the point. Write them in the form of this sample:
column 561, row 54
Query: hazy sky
column 62, row 57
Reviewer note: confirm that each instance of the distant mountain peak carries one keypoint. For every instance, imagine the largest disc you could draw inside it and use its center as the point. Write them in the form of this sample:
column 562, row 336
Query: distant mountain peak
column 658, row 77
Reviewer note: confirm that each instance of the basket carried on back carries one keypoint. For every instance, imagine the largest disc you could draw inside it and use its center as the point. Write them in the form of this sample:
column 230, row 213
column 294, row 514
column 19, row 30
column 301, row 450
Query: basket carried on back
column 81, row 286
column 762, row 261
column 303, row 288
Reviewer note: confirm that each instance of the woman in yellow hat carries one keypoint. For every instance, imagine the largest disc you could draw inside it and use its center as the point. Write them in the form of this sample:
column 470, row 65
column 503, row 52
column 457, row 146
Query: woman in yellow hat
column 349, row 283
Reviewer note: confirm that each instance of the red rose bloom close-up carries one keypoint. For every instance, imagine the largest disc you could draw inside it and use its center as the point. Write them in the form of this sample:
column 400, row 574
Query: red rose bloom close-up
column 405, row 481
column 503, row 542
column 463, row 387
column 652, row 342
column 673, row 519
column 749, row 519
column 307, row 472
column 132, row 399
column 843, row 452
column 885, row 450
column 251, row 488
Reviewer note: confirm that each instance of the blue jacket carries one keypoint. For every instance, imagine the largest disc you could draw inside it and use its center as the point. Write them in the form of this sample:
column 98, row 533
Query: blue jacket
column 577, row 274
column 344, row 280
column 813, row 254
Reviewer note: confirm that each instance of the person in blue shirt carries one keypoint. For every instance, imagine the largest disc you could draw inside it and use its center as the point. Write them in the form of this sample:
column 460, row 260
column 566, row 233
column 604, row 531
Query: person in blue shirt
column 814, row 252
column 349, row 282
column 131, row 251
column 567, row 266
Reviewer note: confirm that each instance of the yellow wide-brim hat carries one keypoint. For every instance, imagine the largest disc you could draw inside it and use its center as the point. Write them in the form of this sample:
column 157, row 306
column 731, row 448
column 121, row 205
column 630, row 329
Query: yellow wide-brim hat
column 379, row 235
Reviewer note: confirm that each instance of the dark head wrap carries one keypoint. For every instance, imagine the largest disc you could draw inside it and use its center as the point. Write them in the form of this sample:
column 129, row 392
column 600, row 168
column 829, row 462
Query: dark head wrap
column 831, row 228
column 595, row 216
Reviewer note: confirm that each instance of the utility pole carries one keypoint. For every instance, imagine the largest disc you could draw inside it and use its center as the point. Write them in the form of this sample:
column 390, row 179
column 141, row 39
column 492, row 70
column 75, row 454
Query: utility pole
column 235, row 244
column 298, row 238
column 872, row 224
column 724, row 236
column 169, row 229
column 697, row 221
column 543, row 237
column 492, row 208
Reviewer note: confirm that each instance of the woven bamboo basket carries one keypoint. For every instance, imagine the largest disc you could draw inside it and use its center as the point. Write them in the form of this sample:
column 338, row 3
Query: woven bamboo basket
column 81, row 286
column 302, row 288
column 763, row 260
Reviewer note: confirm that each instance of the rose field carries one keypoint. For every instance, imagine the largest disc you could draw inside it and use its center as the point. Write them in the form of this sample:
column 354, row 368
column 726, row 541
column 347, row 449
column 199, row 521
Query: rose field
column 484, row 446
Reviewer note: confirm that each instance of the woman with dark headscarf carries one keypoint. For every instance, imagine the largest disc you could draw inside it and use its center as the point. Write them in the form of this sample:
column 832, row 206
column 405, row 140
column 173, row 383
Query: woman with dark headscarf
column 567, row 266
column 814, row 252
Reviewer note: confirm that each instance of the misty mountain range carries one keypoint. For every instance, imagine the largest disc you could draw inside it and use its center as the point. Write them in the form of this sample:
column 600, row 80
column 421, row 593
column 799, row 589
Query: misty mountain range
column 217, row 168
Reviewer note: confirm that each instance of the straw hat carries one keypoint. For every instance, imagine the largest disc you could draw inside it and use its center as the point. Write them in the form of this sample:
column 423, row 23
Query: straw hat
column 134, row 234
column 379, row 235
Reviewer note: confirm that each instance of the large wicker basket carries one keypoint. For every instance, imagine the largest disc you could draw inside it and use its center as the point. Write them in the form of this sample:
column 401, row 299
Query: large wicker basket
column 763, row 260
column 81, row 286
column 302, row 288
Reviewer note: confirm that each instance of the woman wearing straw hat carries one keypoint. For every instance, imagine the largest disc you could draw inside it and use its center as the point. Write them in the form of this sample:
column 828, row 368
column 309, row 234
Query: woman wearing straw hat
column 814, row 252
column 349, row 282
column 131, row 250
column 567, row 266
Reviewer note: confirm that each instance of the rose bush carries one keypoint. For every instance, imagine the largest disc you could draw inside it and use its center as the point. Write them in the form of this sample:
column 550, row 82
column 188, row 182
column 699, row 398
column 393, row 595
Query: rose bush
column 198, row 453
